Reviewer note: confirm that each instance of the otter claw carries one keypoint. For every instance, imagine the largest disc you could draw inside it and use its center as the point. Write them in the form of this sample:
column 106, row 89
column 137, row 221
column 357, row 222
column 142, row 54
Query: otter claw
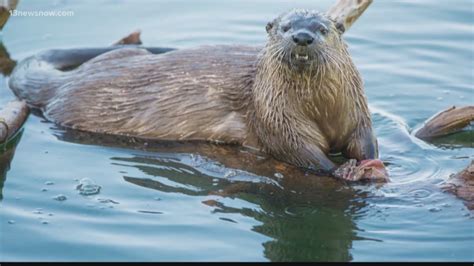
column 366, row 170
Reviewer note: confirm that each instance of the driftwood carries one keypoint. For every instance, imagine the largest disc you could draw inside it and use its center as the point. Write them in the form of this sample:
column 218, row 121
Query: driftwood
column 5, row 7
column 346, row 12
column 12, row 117
column 132, row 38
column 6, row 63
column 446, row 122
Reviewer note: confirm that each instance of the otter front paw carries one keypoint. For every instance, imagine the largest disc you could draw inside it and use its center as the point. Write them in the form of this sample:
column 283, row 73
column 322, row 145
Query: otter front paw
column 366, row 170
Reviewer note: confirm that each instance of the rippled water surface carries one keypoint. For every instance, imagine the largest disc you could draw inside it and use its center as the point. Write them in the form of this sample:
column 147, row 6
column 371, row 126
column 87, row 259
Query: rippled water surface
column 72, row 197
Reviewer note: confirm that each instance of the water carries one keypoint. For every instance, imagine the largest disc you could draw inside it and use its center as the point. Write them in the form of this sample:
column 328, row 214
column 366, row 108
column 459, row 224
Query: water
column 155, row 204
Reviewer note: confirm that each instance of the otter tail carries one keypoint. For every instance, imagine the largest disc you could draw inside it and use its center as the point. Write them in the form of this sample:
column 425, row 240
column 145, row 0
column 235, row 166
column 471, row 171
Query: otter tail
column 36, row 79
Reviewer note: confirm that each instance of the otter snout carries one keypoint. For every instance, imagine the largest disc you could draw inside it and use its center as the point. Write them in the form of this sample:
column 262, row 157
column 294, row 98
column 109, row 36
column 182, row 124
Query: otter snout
column 303, row 41
column 302, row 38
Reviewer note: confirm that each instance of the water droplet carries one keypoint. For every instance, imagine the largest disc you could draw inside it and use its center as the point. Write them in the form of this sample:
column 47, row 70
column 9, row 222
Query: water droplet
column 44, row 222
column 49, row 183
column 11, row 221
column 439, row 98
column 50, row 214
column 44, row 189
column 60, row 197
column 157, row 199
column 88, row 187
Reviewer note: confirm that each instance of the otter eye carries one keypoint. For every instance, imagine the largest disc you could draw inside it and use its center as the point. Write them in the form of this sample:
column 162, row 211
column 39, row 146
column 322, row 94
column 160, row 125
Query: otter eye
column 286, row 27
column 323, row 31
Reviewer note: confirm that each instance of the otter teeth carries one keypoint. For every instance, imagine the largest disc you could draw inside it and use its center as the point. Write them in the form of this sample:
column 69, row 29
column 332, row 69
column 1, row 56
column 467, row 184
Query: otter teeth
column 303, row 57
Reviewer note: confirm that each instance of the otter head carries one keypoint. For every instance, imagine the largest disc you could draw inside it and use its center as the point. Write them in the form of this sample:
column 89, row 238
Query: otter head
column 302, row 37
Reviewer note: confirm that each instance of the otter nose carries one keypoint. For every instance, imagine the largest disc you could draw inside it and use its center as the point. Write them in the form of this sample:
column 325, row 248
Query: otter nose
column 302, row 38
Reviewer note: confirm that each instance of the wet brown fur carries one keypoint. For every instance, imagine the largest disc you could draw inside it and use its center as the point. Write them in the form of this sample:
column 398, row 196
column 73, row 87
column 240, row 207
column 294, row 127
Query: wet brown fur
column 226, row 94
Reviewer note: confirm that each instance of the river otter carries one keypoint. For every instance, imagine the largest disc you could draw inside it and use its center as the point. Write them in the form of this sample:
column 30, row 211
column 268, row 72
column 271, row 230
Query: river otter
column 297, row 98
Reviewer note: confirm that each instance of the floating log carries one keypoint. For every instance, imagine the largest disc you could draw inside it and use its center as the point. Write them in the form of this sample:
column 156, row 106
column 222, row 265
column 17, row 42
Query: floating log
column 346, row 12
column 6, row 158
column 12, row 117
column 446, row 122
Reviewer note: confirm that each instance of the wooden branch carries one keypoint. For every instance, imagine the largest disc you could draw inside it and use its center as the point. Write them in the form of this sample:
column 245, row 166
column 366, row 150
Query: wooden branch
column 12, row 117
column 5, row 7
column 6, row 63
column 132, row 38
column 446, row 122
column 346, row 12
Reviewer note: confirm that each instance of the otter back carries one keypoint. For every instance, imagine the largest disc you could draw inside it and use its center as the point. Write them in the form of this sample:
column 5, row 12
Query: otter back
column 193, row 94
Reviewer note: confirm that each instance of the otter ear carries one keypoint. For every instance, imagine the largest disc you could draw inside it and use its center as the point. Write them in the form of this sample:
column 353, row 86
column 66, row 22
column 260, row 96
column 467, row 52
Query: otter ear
column 269, row 26
column 340, row 27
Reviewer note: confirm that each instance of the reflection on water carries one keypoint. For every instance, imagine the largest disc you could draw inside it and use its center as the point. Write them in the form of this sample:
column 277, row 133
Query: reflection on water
column 457, row 140
column 7, row 152
column 5, row 159
column 175, row 201
column 303, row 221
